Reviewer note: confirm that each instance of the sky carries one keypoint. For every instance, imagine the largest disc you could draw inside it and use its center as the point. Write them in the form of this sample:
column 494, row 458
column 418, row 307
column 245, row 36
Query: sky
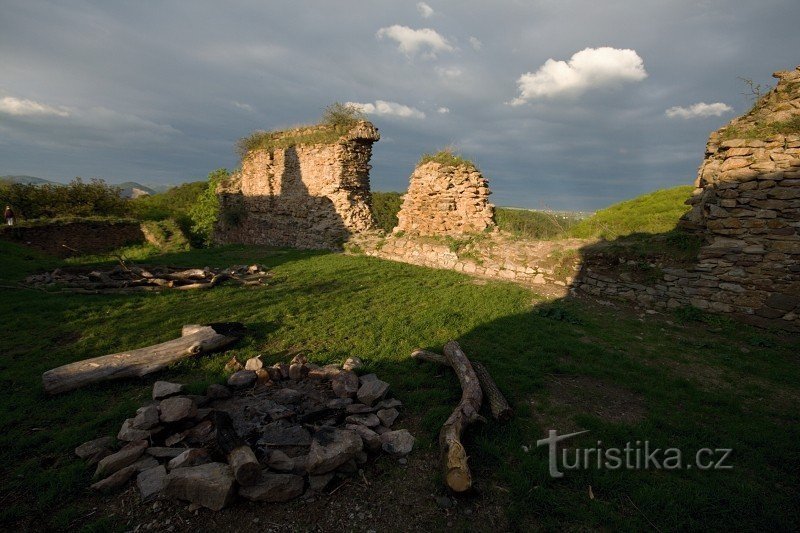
column 563, row 104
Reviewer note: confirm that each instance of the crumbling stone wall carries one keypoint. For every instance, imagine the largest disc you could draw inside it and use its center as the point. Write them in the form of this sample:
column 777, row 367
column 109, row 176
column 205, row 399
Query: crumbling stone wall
column 746, row 206
column 303, row 196
column 446, row 199
column 71, row 238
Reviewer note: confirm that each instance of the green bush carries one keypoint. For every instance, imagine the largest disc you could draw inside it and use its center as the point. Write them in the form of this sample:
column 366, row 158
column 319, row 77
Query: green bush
column 76, row 199
column 205, row 211
column 173, row 204
column 656, row 212
column 338, row 115
column 385, row 206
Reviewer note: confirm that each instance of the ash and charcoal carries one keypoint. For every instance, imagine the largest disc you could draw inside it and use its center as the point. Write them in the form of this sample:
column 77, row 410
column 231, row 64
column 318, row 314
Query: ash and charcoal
column 306, row 433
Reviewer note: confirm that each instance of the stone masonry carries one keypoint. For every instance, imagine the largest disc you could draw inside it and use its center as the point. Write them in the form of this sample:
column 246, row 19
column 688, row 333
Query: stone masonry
column 446, row 200
column 746, row 207
column 302, row 196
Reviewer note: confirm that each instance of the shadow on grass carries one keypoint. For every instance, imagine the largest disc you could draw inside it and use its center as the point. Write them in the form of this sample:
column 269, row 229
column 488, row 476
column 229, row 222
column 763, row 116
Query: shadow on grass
column 332, row 306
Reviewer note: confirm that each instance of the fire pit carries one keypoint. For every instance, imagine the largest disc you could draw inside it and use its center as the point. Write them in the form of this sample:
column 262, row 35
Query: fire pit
column 273, row 434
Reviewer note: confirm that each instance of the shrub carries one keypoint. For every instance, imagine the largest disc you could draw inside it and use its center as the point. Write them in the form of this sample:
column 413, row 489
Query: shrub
column 205, row 211
column 338, row 115
column 76, row 199
column 385, row 206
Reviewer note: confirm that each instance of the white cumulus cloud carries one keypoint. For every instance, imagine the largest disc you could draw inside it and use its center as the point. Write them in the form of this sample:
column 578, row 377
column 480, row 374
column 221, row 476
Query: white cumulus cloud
column 424, row 10
column 475, row 43
column 443, row 110
column 388, row 109
column 590, row 68
column 25, row 108
column 698, row 110
column 411, row 42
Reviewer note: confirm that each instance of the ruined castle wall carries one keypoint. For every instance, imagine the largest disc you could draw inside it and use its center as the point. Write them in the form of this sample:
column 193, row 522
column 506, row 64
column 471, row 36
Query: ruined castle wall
column 302, row 196
column 446, row 200
column 746, row 207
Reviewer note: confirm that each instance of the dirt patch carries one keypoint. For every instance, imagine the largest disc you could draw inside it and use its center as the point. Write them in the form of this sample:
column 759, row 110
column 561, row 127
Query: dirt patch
column 568, row 396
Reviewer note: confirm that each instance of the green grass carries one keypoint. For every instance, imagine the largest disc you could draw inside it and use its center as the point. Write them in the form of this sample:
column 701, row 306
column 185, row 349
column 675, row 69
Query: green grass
column 449, row 158
column 337, row 120
column 702, row 382
column 531, row 224
column 656, row 212
column 763, row 130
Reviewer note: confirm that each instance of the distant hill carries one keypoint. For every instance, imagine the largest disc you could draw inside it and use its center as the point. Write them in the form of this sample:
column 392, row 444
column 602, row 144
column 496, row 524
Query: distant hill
column 131, row 189
column 28, row 180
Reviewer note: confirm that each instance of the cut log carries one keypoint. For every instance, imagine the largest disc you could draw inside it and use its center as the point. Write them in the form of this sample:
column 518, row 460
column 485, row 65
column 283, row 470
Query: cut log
column 498, row 404
column 140, row 362
column 192, row 273
column 241, row 458
column 454, row 458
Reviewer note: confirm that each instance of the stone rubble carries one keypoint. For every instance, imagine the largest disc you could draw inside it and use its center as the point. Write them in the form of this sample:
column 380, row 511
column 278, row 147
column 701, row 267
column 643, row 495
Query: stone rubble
column 305, row 435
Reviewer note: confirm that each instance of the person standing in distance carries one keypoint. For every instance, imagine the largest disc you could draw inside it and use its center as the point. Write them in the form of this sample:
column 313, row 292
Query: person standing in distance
column 9, row 216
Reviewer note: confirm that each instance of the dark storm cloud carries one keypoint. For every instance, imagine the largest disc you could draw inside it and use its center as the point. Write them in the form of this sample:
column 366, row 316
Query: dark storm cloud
column 160, row 92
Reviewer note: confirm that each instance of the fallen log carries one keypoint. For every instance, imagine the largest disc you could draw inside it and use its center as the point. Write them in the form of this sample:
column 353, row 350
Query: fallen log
column 454, row 458
column 498, row 404
column 143, row 361
column 241, row 458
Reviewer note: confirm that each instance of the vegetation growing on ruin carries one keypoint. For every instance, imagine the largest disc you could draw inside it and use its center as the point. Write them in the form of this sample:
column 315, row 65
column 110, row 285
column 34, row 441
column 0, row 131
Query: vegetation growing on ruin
column 762, row 130
column 337, row 119
column 447, row 157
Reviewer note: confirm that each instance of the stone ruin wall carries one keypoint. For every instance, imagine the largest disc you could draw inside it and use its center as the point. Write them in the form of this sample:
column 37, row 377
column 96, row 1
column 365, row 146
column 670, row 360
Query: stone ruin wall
column 304, row 196
column 746, row 206
column 446, row 200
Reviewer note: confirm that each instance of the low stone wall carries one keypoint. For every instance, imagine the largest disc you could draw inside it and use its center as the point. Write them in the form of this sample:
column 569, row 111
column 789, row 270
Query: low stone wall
column 66, row 239
column 550, row 265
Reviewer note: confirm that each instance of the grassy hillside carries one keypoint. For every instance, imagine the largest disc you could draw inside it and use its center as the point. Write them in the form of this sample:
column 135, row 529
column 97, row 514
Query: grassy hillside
column 532, row 224
column 655, row 212
column 671, row 381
